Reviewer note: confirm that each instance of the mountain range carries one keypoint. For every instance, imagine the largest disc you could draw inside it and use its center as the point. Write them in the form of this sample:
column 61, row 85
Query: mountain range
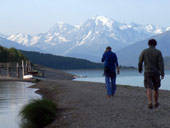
column 8, row 44
column 89, row 40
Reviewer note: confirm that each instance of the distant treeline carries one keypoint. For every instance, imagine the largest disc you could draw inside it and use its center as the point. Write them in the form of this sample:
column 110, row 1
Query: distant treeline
column 11, row 55
column 60, row 62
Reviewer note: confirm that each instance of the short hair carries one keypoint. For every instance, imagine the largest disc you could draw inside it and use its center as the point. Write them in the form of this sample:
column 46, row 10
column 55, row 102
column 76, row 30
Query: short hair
column 152, row 42
column 108, row 48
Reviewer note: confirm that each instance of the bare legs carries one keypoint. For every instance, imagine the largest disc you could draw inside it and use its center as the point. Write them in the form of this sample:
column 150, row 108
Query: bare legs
column 156, row 95
column 149, row 95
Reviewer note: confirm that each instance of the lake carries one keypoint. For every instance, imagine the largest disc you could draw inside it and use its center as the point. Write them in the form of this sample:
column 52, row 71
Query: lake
column 126, row 77
column 13, row 96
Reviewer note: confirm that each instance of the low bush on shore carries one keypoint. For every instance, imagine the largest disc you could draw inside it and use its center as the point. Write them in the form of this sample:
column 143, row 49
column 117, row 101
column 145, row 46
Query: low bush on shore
column 38, row 113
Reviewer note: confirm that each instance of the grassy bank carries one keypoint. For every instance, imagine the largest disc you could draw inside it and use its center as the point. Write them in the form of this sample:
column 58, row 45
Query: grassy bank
column 38, row 113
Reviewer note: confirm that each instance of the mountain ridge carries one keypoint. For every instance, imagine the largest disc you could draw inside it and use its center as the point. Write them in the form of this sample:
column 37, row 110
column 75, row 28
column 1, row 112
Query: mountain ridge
column 88, row 40
column 129, row 55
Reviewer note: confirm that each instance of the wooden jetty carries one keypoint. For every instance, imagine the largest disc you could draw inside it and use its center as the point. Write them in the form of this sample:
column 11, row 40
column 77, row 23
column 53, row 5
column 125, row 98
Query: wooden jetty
column 17, row 70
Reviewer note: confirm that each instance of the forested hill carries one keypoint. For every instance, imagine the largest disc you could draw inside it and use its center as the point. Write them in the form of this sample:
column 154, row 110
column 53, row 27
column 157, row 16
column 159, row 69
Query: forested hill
column 167, row 62
column 60, row 62
column 11, row 55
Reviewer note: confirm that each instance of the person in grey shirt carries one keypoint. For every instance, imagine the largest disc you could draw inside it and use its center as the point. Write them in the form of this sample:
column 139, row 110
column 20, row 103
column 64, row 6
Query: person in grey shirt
column 153, row 71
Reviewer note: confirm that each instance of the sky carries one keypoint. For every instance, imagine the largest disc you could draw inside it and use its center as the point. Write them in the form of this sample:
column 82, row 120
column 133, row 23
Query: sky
column 38, row 16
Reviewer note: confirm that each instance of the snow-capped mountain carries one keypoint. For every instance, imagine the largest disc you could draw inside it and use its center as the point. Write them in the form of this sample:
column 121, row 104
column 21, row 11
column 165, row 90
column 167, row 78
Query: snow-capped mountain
column 8, row 44
column 3, row 36
column 88, row 40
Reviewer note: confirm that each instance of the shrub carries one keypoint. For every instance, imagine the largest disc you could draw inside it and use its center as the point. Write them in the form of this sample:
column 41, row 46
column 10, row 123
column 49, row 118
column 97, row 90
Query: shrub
column 38, row 113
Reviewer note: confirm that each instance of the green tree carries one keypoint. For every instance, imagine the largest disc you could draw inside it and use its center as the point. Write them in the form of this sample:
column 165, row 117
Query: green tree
column 11, row 55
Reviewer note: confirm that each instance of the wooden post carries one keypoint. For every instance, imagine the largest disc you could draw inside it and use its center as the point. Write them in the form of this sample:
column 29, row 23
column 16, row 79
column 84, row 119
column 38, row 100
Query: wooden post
column 8, row 70
column 26, row 67
column 0, row 68
column 29, row 69
column 43, row 73
column 17, row 70
column 23, row 72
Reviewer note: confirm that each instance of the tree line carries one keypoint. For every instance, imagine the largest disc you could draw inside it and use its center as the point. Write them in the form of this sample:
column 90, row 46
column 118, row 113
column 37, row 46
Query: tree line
column 49, row 60
column 11, row 55
column 60, row 62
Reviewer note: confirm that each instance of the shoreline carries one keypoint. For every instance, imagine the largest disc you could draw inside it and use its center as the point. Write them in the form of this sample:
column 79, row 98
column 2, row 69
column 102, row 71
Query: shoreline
column 84, row 104
column 16, row 79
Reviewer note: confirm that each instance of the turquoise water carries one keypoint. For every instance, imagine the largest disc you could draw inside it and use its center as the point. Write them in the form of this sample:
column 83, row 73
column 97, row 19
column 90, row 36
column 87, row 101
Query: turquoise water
column 13, row 96
column 126, row 77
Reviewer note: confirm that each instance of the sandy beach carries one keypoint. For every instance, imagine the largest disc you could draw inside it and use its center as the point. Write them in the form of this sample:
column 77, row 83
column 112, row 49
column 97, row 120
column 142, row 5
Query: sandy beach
column 85, row 105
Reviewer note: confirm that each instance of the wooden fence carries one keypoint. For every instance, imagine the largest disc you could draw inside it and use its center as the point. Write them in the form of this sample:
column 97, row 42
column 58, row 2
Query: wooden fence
column 19, row 69
column 15, row 69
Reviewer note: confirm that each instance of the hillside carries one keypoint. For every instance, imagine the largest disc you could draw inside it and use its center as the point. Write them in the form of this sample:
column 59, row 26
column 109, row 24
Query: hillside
column 9, row 44
column 129, row 55
column 60, row 62
column 11, row 55
column 167, row 62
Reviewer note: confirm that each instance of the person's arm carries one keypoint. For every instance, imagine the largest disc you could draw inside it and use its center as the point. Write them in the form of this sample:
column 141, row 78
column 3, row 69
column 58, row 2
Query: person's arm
column 141, row 59
column 118, row 70
column 117, row 65
column 103, row 58
column 161, row 65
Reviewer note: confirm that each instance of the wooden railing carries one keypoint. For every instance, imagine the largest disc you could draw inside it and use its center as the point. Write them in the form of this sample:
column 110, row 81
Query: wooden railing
column 15, row 69
column 19, row 69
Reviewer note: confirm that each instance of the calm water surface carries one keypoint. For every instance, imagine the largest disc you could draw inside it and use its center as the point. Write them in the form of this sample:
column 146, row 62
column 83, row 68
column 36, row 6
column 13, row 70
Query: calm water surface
column 126, row 77
column 13, row 96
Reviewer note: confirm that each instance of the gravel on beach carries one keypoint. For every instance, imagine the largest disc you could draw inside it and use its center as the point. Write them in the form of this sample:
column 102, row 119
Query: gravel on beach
column 85, row 105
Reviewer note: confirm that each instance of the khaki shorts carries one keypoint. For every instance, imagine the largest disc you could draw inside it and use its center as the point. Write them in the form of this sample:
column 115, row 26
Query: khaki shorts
column 152, row 80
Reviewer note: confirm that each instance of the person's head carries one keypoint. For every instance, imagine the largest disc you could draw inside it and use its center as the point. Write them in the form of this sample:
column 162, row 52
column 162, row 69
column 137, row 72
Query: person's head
column 108, row 48
column 152, row 42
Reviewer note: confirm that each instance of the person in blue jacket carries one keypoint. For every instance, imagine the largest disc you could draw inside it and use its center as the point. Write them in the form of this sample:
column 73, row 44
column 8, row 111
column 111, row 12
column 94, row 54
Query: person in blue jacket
column 110, row 65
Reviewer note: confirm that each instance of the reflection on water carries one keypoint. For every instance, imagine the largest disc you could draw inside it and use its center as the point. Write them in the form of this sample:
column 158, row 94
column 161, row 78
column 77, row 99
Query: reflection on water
column 13, row 95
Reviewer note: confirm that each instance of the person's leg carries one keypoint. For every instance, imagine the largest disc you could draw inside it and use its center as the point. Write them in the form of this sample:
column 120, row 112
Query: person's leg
column 156, row 95
column 149, row 86
column 113, row 85
column 108, row 87
column 157, row 84
column 149, row 95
